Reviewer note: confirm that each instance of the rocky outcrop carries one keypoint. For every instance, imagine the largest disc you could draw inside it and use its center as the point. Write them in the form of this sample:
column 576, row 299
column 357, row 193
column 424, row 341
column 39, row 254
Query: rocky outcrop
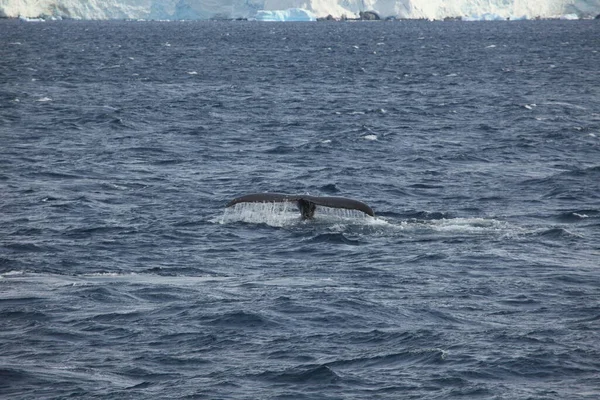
column 368, row 16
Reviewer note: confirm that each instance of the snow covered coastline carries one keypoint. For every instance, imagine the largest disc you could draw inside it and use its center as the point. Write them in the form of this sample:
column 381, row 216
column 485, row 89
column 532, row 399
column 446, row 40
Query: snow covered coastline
column 278, row 9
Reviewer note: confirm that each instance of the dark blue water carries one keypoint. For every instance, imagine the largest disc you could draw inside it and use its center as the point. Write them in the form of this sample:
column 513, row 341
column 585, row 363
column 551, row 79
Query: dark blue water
column 123, row 275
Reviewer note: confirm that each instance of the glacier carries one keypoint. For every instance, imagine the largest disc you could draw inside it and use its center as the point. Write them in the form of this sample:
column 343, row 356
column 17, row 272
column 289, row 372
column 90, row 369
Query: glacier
column 291, row 14
column 283, row 10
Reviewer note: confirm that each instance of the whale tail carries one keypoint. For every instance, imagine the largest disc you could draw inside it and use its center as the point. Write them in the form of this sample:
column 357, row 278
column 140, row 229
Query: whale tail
column 306, row 204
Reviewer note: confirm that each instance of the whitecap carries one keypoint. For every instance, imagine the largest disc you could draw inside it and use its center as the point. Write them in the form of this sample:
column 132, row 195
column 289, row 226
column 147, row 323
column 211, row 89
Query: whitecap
column 95, row 278
column 370, row 137
column 581, row 215
column 471, row 225
column 150, row 279
column 12, row 273
column 564, row 104
column 44, row 99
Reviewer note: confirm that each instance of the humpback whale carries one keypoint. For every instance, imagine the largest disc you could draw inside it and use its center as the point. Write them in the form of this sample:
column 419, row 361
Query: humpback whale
column 306, row 204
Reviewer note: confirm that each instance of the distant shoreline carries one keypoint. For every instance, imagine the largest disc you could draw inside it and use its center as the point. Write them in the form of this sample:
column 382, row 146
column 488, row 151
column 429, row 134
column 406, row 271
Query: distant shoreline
column 319, row 19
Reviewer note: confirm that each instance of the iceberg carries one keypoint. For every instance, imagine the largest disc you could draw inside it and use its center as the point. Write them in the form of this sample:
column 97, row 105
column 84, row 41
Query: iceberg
column 569, row 17
column 484, row 17
column 291, row 14
column 494, row 17
column 31, row 19
column 294, row 10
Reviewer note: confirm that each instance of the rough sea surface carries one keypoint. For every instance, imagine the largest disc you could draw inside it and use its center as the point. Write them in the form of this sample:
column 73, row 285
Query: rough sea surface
column 124, row 276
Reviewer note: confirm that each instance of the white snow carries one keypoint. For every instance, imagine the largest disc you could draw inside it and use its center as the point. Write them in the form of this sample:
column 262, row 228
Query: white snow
column 292, row 9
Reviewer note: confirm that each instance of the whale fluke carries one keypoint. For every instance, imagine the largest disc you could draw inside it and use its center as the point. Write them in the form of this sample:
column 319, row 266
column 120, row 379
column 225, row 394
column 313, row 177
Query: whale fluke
column 307, row 204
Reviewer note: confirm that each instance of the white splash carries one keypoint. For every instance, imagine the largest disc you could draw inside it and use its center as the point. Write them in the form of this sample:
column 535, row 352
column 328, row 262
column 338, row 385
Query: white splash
column 272, row 214
column 469, row 225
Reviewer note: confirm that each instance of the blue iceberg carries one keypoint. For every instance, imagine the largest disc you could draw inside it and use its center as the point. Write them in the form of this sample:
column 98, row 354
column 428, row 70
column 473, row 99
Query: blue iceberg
column 485, row 17
column 291, row 14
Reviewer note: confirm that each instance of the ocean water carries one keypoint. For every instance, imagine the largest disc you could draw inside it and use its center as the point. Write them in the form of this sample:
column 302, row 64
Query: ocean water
column 124, row 276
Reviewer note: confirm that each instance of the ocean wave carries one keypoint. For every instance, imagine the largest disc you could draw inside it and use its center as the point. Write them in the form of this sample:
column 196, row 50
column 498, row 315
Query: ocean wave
column 320, row 375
